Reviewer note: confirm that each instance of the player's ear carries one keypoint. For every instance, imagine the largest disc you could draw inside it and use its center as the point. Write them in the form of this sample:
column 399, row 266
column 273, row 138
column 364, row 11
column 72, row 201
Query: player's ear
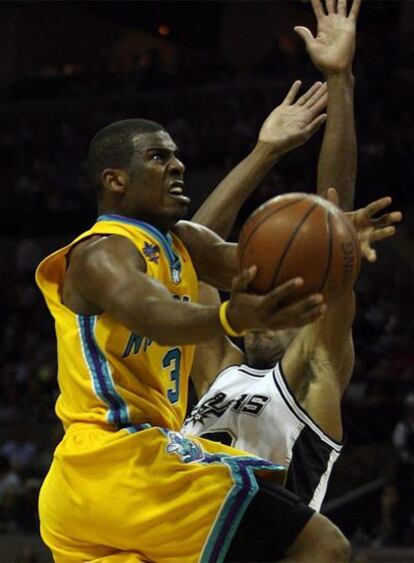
column 115, row 180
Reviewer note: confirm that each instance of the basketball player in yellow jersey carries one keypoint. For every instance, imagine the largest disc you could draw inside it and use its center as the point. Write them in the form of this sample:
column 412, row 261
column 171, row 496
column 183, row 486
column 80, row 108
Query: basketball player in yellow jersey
column 125, row 485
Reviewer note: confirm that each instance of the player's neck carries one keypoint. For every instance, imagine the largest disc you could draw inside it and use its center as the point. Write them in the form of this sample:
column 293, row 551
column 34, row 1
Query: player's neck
column 163, row 226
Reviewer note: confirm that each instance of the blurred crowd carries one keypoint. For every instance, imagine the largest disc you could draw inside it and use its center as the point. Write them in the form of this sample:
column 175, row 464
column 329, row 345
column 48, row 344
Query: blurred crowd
column 45, row 200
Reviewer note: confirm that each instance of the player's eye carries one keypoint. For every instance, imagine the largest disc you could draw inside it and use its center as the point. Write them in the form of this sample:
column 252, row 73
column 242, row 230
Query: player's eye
column 159, row 156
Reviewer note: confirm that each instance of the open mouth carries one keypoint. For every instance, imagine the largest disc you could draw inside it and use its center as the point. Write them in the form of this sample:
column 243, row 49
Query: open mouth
column 177, row 192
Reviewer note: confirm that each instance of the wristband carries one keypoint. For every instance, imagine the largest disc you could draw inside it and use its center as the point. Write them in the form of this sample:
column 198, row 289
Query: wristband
column 225, row 323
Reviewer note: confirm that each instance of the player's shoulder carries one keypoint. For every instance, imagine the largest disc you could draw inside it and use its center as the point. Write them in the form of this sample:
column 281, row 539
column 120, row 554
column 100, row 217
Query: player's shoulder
column 227, row 373
column 102, row 251
column 192, row 233
column 187, row 231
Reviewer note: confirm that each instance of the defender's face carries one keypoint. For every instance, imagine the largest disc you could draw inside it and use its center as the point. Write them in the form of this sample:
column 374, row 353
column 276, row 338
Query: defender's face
column 157, row 191
column 265, row 347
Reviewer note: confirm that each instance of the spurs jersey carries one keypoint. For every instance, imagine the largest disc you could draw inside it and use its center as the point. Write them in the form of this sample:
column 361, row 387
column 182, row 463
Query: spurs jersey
column 254, row 410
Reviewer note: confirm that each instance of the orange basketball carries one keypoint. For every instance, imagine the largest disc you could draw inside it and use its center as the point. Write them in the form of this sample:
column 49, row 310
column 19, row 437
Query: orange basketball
column 302, row 235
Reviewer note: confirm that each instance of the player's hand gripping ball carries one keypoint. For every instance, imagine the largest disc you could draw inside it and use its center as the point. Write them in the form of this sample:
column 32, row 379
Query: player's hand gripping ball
column 302, row 235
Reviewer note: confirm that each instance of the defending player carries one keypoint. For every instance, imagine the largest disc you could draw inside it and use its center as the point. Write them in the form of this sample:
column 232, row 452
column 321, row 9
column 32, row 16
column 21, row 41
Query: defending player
column 125, row 485
column 282, row 399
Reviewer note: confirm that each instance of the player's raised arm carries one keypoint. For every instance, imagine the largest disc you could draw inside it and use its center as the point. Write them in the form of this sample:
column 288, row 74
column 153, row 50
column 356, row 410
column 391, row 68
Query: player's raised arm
column 289, row 125
column 332, row 52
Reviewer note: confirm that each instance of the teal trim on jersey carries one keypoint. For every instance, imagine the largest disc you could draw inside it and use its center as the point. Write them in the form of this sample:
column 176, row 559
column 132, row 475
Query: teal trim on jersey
column 239, row 497
column 165, row 241
column 100, row 372
column 137, row 427
column 236, row 503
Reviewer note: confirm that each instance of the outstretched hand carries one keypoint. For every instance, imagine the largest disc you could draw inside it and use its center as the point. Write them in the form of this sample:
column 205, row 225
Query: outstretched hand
column 293, row 122
column 371, row 229
column 333, row 48
column 280, row 308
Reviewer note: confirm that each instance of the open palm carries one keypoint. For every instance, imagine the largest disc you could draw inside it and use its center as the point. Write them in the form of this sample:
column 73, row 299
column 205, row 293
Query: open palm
column 370, row 229
column 333, row 48
column 293, row 122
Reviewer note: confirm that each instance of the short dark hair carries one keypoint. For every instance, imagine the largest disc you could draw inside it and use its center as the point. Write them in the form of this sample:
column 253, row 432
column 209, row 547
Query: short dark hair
column 112, row 147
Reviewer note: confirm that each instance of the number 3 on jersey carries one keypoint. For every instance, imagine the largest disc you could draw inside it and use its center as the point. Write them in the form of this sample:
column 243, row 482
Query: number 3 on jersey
column 172, row 360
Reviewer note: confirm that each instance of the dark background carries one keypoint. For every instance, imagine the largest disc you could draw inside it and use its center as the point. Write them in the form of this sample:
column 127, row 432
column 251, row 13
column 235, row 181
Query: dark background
column 209, row 72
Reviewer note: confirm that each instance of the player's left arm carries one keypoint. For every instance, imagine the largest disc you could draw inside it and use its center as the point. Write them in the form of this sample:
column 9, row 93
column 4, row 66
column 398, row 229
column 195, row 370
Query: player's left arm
column 289, row 125
column 332, row 51
column 326, row 346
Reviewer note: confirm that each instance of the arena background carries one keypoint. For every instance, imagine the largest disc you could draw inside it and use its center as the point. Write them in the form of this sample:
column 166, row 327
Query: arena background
column 209, row 72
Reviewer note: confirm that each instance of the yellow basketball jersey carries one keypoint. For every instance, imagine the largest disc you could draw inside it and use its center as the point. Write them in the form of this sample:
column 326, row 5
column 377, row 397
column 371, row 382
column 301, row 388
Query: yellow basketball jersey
column 107, row 374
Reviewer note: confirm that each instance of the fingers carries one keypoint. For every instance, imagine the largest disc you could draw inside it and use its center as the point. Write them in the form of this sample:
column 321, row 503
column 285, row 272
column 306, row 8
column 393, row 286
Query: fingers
column 284, row 290
column 380, row 234
column 342, row 7
column 314, row 125
column 370, row 254
column 317, row 8
column 293, row 92
column 318, row 105
column 376, row 206
column 387, row 219
column 332, row 196
column 336, row 7
column 301, row 312
column 305, row 34
column 241, row 282
column 311, row 96
column 353, row 14
column 330, row 6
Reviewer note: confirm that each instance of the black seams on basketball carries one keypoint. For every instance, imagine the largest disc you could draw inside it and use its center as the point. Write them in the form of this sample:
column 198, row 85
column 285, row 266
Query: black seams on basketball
column 301, row 235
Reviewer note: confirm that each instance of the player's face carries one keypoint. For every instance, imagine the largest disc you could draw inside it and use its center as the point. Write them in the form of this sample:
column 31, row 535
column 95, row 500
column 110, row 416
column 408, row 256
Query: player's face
column 265, row 347
column 156, row 181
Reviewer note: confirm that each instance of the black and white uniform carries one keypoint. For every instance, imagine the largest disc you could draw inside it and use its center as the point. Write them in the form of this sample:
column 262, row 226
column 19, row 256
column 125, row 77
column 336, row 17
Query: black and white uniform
column 255, row 411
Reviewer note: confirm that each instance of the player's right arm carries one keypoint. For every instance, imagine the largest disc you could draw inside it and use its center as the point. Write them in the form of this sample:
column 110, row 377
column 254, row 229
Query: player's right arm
column 107, row 275
column 332, row 52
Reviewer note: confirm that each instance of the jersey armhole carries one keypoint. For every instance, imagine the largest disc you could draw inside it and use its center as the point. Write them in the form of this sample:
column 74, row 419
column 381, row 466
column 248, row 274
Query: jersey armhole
column 299, row 412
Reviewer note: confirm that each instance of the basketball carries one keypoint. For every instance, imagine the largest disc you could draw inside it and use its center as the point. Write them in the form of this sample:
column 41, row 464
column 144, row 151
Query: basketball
column 302, row 235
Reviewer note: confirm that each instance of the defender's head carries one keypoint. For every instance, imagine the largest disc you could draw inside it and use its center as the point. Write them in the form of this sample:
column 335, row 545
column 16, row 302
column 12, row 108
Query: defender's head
column 264, row 348
column 134, row 167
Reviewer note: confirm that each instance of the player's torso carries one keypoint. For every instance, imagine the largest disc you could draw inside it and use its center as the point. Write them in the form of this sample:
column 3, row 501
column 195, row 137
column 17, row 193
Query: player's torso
column 255, row 410
column 243, row 408
column 108, row 374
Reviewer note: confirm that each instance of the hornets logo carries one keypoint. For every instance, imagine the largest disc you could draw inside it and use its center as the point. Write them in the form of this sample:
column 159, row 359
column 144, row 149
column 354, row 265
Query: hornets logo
column 152, row 252
column 188, row 450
